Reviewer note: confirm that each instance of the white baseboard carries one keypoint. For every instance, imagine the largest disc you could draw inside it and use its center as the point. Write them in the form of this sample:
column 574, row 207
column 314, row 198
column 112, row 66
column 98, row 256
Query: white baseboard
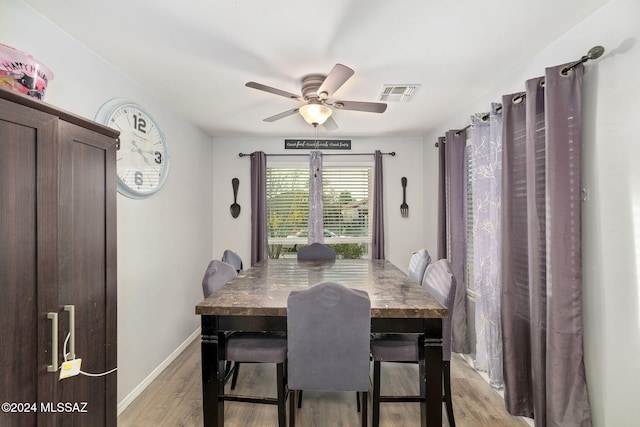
column 122, row 405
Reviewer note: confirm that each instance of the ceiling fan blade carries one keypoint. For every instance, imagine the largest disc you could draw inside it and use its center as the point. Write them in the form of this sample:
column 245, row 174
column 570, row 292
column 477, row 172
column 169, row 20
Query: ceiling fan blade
column 281, row 115
column 273, row 90
column 369, row 107
column 334, row 80
column 330, row 124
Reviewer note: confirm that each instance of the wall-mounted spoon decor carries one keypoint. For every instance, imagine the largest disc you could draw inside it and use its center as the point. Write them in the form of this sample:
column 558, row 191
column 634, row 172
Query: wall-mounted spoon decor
column 235, row 207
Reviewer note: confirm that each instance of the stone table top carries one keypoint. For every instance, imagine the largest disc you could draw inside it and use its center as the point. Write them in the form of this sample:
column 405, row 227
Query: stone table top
column 263, row 289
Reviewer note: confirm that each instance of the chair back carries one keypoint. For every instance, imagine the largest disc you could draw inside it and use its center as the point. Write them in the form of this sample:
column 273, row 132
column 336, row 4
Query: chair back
column 439, row 281
column 217, row 275
column 418, row 264
column 232, row 258
column 316, row 251
column 328, row 327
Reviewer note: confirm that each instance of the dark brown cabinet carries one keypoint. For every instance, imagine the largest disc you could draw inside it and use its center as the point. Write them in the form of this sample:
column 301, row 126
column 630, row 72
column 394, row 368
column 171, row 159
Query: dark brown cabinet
column 57, row 250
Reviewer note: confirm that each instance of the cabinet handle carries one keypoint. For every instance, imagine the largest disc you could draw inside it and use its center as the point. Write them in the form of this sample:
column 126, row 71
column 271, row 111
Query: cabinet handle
column 72, row 329
column 54, row 342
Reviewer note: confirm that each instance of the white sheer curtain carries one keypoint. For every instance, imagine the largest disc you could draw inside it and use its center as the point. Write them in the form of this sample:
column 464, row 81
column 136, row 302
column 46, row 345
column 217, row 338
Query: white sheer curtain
column 486, row 159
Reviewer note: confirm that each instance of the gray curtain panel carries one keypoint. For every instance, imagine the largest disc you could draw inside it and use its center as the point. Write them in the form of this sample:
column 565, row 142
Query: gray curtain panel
column 568, row 399
column 536, row 236
column 316, row 211
column 377, row 244
column 259, row 247
column 514, row 264
column 456, row 227
column 541, row 255
column 442, row 201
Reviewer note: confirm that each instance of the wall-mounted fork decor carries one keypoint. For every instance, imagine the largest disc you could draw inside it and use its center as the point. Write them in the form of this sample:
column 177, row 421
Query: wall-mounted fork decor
column 404, row 207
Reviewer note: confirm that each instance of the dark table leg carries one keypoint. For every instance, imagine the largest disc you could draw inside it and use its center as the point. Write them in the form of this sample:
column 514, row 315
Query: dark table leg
column 431, row 382
column 212, row 353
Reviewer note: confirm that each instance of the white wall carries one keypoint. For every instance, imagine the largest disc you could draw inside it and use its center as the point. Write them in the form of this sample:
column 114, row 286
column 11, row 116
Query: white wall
column 403, row 235
column 430, row 192
column 164, row 242
column 611, row 214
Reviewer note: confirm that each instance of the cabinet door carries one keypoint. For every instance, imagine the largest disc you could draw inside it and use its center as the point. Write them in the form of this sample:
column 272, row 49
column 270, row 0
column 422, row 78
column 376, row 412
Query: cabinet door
column 87, row 270
column 28, row 260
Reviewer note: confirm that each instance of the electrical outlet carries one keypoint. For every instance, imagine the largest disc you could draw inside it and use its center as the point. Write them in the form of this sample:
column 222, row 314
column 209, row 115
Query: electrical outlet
column 70, row 368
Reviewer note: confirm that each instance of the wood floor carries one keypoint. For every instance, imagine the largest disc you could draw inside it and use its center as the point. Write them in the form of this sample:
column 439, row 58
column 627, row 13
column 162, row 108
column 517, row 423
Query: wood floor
column 175, row 399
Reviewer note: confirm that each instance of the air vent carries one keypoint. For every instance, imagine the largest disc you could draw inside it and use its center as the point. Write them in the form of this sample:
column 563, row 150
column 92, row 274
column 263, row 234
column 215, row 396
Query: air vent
column 397, row 93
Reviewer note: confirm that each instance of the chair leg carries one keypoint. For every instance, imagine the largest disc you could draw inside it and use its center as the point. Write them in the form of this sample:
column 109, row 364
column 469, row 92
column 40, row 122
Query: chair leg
column 227, row 371
column 282, row 411
column 375, row 419
column 299, row 393
column 446, row 377
column 234, row 378
column 365, row 412
column 292, row 407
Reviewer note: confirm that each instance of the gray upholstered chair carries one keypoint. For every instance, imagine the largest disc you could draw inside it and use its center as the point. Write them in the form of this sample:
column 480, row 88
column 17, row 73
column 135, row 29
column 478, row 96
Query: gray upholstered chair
column 249, row 347
column 230, row 257
column 316, row 252
column 439, row 282
column 328, row 327
column 217, row 275
column 418, row 265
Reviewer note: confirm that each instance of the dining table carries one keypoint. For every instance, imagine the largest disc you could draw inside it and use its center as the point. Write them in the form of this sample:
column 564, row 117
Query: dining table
column 256, row 300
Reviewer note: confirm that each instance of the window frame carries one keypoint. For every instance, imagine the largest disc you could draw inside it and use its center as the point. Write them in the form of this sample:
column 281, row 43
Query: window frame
column 328, row 164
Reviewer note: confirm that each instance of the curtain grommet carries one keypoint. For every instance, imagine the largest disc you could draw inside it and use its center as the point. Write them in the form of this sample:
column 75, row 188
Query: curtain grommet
column 566, row 71
column 518, row 98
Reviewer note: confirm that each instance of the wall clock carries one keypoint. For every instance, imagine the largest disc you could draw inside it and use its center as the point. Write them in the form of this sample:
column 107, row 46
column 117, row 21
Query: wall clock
column 142, row 157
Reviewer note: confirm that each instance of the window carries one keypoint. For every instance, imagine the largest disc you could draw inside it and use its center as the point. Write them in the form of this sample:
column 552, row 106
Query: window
column 346, row 215
column 469, row 214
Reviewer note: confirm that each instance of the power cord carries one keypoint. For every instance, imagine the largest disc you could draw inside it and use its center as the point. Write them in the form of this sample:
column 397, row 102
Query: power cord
column 88, row 374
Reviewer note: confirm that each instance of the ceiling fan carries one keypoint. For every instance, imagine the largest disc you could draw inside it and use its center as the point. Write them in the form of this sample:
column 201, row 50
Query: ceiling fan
column 316, row 91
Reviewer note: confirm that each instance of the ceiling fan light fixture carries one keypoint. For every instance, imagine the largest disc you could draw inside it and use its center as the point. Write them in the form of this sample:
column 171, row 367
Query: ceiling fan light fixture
column 315, row 114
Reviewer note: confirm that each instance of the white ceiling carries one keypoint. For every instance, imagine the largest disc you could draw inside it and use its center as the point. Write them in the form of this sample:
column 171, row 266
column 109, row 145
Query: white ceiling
column 196, row 55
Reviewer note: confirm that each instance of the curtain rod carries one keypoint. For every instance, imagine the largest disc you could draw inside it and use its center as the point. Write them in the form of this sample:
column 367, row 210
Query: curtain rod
column 594, row 53
column 392, row 154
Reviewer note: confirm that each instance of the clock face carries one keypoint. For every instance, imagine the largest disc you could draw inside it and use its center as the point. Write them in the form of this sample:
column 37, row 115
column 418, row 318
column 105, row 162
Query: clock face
column 141, row 150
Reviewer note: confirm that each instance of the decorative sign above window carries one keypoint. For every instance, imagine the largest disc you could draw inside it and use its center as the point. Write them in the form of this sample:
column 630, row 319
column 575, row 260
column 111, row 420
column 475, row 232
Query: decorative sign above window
column 314, row 144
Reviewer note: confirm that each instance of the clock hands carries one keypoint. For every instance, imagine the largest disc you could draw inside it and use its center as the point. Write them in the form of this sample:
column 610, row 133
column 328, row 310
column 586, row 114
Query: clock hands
column 140, row 151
